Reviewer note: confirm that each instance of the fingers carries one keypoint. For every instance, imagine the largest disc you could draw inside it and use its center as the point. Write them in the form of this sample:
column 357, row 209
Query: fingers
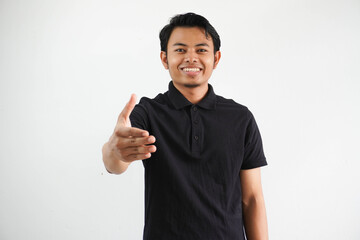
column 131, row 132
column 125, row 113
column 135, row 157
column 139, row 150
column 135, row 142
column 130, row 143
column 137, row 153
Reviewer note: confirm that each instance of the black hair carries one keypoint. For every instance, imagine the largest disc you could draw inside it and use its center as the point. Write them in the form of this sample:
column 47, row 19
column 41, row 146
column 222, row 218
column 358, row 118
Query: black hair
column 188, row 20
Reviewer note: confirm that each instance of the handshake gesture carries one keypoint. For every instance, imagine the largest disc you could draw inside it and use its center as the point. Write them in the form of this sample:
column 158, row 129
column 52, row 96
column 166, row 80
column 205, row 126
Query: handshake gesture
column 127, row 143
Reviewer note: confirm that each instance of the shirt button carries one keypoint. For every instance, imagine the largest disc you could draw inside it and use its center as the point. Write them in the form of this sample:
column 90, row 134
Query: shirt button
column 196, row 138
column 195, row 109
column 196, row 122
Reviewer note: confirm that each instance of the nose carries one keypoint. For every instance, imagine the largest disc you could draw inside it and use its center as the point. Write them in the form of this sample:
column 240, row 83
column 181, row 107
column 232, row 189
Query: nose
column 191, row 57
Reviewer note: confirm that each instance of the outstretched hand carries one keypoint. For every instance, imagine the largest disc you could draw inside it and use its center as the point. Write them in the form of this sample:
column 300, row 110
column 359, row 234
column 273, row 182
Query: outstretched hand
column 128, row 143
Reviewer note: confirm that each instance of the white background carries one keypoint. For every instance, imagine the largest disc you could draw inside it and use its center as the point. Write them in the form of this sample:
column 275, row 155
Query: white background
column 67, row 68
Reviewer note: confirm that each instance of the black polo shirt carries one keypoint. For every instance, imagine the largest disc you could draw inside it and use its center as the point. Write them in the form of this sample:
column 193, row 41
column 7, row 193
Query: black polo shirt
column 192, row 183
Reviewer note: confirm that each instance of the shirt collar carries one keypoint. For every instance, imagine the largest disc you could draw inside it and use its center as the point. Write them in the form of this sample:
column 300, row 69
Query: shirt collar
column 179, row 101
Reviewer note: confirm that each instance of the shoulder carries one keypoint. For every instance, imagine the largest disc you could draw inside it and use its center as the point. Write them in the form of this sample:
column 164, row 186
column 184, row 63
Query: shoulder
column 231, row 105
column 161, row 98
column 229, row 102
column 148, row 105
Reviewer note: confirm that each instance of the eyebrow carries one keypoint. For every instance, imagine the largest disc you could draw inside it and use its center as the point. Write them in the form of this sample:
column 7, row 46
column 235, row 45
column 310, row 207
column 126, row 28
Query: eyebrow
column 197, row 45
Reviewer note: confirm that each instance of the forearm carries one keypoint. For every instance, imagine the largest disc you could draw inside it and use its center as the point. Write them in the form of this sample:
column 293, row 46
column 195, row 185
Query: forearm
column 112, row 163
column 255, row 221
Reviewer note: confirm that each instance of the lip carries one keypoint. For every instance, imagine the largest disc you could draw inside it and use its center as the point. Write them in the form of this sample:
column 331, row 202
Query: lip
column 191, row 74
column 190, row 66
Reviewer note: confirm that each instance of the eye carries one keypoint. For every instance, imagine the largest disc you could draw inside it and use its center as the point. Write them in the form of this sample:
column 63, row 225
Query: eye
column 180, row 50
column 202, row 50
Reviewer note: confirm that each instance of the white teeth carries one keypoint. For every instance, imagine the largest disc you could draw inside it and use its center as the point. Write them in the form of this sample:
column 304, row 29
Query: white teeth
column 191, row 69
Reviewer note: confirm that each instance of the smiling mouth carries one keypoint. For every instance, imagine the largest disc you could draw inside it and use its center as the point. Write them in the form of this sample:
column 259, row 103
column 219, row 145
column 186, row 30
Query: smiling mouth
column 191, row 69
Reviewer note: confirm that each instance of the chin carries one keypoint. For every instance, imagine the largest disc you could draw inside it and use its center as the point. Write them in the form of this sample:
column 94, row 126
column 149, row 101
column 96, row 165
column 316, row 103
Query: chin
column 194, row 85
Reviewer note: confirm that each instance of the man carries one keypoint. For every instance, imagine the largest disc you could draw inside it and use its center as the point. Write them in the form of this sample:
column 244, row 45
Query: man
column 202, row 175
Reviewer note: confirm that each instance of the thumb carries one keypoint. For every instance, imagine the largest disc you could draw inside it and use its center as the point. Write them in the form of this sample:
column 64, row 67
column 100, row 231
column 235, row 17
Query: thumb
column 125, row 113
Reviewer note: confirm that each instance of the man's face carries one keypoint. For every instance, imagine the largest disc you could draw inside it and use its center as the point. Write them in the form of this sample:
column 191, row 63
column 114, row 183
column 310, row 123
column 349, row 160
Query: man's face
column 190, row 57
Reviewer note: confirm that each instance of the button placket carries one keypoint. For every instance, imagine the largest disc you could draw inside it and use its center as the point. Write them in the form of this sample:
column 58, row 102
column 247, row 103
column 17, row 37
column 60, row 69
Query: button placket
column 195, row 130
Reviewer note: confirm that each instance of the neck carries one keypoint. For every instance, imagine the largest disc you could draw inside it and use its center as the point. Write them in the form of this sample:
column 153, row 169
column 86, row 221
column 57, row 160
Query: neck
column 193, row 94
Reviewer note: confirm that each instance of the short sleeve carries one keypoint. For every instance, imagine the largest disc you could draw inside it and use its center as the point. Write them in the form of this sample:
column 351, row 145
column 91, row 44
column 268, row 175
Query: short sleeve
column 253, row 152
column 139, row 116
column 139, row 119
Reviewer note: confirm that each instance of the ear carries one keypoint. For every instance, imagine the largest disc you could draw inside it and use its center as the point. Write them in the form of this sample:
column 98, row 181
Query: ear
column 217, row 58
column 163, row 58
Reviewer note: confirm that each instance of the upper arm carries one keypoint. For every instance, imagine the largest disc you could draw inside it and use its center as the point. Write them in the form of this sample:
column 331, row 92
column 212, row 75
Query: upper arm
column 253, row 149
column 250, row 184
column 139, row 117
